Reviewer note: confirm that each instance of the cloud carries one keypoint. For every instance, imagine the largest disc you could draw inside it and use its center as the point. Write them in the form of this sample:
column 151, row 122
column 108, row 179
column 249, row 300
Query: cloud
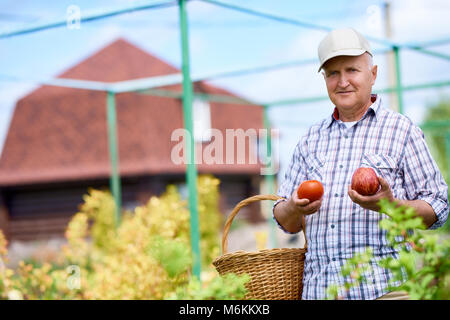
column 419, row 19
column 302, row 46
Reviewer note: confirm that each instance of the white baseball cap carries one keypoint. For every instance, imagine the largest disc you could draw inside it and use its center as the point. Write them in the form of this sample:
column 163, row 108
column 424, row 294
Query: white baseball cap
column 342, row 42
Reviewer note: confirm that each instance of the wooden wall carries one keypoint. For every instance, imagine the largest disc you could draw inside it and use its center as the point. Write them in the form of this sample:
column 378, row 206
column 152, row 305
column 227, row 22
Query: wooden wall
column 43, row 212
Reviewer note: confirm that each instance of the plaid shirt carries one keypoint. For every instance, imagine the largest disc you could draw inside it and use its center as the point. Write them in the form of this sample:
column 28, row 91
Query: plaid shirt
column 330, row 152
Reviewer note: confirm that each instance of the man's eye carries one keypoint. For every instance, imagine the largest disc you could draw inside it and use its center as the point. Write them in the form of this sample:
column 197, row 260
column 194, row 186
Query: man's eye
column 332, row 73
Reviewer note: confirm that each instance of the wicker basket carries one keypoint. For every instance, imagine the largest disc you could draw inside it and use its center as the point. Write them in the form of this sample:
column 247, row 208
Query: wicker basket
column 276, row 274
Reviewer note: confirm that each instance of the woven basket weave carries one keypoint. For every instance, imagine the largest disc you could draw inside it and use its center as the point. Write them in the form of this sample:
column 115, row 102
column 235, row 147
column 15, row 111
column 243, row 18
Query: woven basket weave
column 276, row 274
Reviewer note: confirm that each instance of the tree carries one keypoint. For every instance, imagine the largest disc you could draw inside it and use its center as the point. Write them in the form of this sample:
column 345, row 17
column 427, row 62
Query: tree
column 437, row 132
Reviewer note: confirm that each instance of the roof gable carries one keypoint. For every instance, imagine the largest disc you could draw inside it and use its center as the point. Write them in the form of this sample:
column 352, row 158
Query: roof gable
column 119, row 61
column 61, row 133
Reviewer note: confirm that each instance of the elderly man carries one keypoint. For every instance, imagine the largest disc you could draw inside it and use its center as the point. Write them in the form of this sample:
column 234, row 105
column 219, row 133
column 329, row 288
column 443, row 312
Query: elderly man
column 360, row 132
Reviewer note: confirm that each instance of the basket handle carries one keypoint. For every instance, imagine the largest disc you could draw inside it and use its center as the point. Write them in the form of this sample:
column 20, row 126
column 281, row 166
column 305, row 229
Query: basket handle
column 243, row 203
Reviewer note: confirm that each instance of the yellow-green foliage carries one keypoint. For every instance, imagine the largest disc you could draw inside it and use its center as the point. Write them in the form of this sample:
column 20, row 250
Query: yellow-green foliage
column 209, row 217
column 422, row 259
column 147, row 257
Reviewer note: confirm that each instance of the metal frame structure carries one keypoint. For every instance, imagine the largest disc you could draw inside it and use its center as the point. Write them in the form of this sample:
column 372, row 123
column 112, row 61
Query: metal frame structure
column 150, row 86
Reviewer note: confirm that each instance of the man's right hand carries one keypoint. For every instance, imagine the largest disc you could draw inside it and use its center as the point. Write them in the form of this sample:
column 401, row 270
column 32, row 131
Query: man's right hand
column 289, row 213
column 303, row 206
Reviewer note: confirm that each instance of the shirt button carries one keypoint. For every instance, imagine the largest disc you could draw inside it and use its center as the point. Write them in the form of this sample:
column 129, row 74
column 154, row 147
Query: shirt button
column 341, row 166
column 345, row 136
column 334, row 259
column 332, row 226
column 336, row 195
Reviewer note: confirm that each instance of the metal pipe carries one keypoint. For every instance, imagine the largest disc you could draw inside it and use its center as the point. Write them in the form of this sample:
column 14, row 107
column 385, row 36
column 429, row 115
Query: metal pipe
column 89, row 16
column 398, row 80
column 143, row 84
column 270, row 16
column 318, row 27
column 146, row 83
column 60, row 82
column 427, row 52
column 321, row 98
column 205, row 96
column 114, row 181
column 101, row 14
column 155, row 82
column 430, row 43
column 191, row 172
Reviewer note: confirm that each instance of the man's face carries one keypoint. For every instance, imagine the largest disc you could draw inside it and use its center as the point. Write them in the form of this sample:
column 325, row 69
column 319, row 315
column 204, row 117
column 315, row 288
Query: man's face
column 349, row 81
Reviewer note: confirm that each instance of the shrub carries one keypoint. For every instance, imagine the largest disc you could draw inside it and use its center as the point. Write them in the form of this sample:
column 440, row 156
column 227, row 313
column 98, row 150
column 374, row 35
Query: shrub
column 147, row 257
column 422, row 258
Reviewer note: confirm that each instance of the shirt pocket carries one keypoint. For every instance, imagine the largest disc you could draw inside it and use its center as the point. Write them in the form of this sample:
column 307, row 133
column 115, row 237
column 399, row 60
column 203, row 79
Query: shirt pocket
column 384, row 165
column 314, row 166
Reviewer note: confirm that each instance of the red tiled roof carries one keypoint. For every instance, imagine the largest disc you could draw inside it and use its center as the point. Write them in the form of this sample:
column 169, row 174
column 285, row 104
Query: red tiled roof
column 59, row 134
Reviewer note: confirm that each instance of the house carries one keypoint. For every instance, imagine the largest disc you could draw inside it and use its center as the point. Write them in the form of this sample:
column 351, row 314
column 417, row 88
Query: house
column 57, row 145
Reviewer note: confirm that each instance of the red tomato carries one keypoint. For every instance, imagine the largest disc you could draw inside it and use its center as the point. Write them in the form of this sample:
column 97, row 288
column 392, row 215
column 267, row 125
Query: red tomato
column 311, row 189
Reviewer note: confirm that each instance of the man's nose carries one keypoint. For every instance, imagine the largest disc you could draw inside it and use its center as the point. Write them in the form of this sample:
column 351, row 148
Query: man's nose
column 343, row 81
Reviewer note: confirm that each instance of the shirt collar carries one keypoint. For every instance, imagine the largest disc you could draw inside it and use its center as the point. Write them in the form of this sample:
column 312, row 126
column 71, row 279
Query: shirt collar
column 375, row 106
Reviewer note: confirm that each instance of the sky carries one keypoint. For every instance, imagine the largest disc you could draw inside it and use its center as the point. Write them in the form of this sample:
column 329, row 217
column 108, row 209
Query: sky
column 224, row 40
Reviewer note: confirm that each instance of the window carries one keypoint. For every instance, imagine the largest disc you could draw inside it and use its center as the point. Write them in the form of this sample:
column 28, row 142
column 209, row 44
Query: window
column 202, row 120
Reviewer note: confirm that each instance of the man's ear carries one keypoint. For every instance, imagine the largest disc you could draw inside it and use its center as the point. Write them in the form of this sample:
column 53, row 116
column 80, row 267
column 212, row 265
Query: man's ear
column 374, row 73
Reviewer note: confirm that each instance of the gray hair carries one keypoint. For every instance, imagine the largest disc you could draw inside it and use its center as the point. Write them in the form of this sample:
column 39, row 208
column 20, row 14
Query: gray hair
column 369, row 60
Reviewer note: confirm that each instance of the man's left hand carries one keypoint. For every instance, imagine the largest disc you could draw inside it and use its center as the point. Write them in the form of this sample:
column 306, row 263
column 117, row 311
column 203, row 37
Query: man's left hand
column 371, row 202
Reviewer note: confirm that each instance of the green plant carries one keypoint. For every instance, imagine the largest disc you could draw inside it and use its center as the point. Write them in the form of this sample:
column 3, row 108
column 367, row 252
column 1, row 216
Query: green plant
column 227, row 287
column 437, row 138
column 147, row 257
column 422, row 258
column 173, row 256
column 439, row 111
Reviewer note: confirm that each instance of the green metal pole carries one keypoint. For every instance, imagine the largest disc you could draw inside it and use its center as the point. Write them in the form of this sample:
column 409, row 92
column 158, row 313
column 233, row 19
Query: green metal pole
column 114, row 181
column 398, row 79
column 270, row 178
column 85, row 16
column 191, row 173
